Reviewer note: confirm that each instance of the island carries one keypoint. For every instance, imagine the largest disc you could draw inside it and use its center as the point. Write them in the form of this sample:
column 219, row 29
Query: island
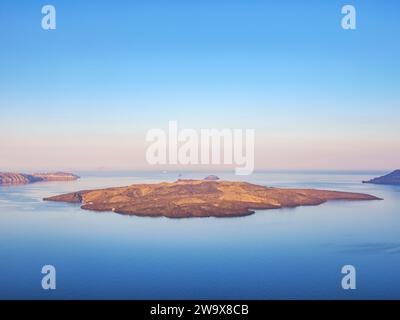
column 199, row 198
column 11, row 178
column 392, row 178
column 211, row 177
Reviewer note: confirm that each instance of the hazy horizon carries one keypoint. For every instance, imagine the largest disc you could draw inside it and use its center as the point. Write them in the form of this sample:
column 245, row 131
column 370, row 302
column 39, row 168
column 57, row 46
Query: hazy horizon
column 84, row 95
column 194, row 169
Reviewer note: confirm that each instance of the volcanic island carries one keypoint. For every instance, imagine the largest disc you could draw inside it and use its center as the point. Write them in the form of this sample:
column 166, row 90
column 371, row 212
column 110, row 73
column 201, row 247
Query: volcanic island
column 200, row 198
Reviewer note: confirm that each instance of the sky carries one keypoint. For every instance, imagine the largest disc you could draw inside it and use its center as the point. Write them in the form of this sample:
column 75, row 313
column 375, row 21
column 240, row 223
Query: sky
column 84, row 95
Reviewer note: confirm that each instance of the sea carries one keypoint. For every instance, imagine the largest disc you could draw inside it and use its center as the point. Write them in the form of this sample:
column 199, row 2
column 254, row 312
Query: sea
column 291, row 253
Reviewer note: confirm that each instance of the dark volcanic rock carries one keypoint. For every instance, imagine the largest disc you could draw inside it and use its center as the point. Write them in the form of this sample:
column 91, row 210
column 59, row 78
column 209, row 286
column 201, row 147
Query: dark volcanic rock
column 200, row 198
column 391, row 178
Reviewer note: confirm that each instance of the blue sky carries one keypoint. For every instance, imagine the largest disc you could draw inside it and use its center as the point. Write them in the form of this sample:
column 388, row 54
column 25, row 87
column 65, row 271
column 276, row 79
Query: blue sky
column 114, row 69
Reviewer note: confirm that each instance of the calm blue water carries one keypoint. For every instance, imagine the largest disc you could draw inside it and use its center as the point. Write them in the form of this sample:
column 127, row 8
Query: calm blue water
column 273, row 254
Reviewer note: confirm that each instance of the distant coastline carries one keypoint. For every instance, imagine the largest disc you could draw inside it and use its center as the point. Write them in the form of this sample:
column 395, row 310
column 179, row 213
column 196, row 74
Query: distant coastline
column 392, row 178
column 12, row 178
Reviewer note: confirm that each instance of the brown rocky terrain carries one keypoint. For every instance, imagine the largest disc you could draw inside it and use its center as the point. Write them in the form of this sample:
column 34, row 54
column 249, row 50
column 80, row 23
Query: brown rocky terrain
column 22, row 178
column 200, row 198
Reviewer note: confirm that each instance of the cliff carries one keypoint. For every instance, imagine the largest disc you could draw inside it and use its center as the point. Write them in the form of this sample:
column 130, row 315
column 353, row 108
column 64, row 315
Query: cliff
column 22, row 178
column 199, row 198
